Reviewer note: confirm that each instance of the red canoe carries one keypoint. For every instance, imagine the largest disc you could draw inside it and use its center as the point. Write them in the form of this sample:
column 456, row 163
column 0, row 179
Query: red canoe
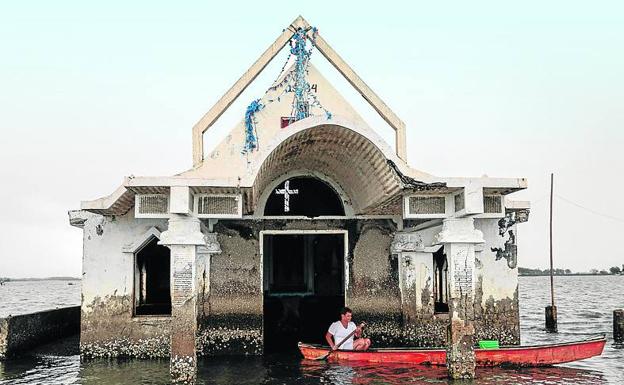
column 538, row 355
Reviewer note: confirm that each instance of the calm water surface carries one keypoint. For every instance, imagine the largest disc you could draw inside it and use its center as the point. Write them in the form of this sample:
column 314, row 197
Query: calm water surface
column 21, row 297
column 585, row 306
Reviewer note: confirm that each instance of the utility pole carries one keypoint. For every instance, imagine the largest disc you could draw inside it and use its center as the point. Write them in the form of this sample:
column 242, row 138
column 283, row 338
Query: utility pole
column 551, row 311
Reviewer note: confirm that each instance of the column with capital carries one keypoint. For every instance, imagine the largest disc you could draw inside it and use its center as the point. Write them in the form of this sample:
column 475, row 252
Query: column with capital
column 183, row 236
column 459, row 238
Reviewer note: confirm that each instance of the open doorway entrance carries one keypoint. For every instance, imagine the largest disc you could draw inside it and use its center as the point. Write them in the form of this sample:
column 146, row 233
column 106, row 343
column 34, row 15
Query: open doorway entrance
column 303, row 286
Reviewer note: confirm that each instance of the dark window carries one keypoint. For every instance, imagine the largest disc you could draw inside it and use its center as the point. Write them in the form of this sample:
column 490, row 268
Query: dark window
column 152, row 280
column 440, row 282
column 304, row 196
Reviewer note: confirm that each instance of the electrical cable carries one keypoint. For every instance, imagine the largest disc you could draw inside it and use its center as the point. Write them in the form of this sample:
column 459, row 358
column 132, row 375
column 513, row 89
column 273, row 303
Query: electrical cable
column 588, row 209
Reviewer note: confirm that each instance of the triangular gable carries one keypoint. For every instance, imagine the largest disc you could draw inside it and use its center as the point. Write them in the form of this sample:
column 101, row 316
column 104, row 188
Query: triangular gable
column 226, row 160
column 234, row 92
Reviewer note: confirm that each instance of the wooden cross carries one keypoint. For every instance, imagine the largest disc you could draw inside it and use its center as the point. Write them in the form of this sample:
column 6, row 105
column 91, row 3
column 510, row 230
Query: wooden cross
column 287, row 192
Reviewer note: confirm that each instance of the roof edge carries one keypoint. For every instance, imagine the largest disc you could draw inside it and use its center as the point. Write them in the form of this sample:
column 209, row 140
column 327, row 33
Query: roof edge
column 104, row 203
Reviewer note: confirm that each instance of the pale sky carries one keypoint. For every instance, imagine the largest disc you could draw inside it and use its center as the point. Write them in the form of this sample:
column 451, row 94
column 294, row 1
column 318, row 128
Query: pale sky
column 92, row 93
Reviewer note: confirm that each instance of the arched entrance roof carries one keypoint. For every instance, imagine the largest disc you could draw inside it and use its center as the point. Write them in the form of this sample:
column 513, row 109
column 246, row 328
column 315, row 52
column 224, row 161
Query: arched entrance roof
column 353, row 157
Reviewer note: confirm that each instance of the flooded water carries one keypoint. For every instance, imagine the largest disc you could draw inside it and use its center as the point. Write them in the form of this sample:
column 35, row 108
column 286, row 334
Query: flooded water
column 585, row 306
column 21, row 297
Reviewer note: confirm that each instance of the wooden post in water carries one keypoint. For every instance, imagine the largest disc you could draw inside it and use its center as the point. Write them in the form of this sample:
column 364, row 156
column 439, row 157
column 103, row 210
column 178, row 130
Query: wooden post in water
column 618, row 325
column 551, row 311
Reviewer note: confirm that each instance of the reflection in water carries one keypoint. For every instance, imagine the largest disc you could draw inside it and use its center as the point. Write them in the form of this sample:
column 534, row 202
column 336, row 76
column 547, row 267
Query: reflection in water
column 579, row 316
column 40, row 370
column 278, row 369
column 124, row 372
column 367, row 374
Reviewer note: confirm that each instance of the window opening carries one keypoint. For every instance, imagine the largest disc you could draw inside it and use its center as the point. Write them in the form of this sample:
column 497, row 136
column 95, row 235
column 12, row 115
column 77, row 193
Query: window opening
column 304, row 196
column 440, row 279
column 152, row 280
column 459, row 202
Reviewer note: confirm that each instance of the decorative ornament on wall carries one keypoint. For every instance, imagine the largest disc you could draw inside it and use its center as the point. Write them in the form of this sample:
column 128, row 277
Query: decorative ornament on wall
column 251, row 135
column 287, row 192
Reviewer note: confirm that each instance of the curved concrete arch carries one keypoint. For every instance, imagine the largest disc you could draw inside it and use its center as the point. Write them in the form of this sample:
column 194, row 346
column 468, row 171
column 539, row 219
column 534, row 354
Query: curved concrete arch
column 351, row 155
column 338, row 121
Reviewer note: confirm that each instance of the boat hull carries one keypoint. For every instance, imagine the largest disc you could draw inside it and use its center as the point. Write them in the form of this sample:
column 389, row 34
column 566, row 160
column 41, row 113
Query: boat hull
column 525, row 356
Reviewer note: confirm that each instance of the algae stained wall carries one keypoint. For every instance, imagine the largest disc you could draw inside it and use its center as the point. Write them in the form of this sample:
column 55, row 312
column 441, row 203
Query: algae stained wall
column 230, row 320
column 231, row 314
column 231, row 302
column 373, row 292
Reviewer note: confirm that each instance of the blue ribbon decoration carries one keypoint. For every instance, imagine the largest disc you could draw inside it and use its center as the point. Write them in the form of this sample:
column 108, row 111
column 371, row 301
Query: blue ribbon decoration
column 251, row 136
column 295, row 82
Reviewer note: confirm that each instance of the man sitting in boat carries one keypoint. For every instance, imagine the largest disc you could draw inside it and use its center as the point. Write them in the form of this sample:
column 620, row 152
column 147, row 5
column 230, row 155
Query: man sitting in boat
column 344, row 328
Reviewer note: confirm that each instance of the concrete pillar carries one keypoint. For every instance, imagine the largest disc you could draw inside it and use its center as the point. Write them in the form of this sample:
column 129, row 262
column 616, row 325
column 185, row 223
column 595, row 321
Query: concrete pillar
column 460, row 348
column 416, row 285
column 415, row 276
column 551, row 318
column 459, row 238
column 202, row 281
column 183, row 237
column 618, row 325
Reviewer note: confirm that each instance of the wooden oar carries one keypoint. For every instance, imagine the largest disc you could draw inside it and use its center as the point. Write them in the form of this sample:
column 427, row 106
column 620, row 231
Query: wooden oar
column 324, row 357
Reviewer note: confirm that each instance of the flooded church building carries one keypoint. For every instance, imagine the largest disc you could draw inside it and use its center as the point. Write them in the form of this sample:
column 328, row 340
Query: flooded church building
column 301, row 209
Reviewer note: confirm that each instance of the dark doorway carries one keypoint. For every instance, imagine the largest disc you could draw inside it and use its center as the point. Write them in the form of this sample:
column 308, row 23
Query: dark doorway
column 152, row 280
column 304, row 196
column 303, row 288
column 440, row 281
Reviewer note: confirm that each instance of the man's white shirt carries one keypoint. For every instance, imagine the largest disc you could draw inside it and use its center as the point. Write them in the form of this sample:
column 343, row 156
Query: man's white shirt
column 340, row 332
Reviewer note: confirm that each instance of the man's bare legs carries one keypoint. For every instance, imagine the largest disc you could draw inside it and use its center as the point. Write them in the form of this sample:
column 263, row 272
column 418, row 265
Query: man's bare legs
column 361, row 344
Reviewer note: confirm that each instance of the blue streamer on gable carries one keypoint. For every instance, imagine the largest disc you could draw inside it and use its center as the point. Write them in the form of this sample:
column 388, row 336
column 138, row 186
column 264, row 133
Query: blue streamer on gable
column 295, row 81
column 301, row 108
column 251, row 136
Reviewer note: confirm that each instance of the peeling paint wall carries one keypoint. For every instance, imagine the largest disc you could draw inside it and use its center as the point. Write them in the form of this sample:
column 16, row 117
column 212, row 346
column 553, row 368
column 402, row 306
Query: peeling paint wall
column 107, row 326
column 416, row 284
column 496, row 296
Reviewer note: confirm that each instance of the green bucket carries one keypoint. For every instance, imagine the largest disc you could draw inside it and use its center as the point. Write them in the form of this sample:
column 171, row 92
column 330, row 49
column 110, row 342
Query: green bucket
column 488, row 344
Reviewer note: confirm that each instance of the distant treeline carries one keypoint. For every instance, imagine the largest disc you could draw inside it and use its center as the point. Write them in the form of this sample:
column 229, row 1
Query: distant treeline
column 4, row 279
column 614, row 270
